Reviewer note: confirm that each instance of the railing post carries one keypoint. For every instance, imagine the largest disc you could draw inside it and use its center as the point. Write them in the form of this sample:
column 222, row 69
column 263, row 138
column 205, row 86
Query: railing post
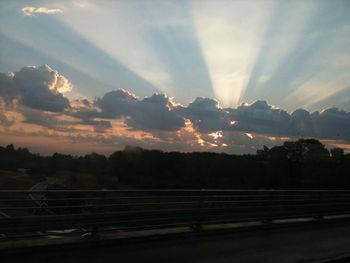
column 268, row 219
column 100, row 209
column 320, row 214
column 198, row 225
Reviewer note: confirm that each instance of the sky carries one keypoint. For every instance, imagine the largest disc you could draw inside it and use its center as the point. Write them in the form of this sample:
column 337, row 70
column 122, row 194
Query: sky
column 226, row 76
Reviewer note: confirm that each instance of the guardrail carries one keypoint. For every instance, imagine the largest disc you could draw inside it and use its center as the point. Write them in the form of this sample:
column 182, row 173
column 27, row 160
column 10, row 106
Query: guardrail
column 39, row 212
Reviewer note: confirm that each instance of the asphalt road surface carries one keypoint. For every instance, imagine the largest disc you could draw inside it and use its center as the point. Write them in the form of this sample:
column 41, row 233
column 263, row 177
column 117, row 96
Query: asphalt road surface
column 306, row 243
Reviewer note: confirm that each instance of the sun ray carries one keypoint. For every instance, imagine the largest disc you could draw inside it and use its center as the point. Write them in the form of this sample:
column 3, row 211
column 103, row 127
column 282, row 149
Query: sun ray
column 117, row 29
column 283, row 33
column 229, row 34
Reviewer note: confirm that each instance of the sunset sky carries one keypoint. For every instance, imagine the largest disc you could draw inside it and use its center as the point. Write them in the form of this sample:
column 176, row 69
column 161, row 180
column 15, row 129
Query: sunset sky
column 226, row 76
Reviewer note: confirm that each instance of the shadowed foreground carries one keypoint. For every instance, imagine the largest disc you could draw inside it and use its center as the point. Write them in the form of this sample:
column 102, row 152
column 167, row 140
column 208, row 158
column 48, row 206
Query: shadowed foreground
column 306, row 243
column 174, row 225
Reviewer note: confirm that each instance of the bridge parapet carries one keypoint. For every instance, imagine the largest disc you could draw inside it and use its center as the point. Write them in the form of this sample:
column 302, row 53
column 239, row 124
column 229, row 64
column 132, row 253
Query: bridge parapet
column 39, row 212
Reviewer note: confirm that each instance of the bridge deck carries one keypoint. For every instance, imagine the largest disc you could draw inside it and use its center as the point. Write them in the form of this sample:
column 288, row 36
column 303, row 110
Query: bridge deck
column 318, row 242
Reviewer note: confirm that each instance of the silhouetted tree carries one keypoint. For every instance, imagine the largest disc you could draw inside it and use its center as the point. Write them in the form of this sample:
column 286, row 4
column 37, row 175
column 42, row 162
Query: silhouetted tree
column 337, row 154
column 305, row 163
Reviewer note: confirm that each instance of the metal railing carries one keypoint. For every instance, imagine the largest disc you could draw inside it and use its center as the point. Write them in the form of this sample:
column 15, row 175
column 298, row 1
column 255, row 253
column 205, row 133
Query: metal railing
column 28, row 212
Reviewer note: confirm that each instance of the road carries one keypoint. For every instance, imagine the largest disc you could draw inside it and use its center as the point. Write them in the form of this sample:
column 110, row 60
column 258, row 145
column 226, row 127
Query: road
column 317, row 242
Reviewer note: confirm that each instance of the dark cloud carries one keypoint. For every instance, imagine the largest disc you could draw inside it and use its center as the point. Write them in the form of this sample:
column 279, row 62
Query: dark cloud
column 117, row 103
column 207, row 115
column 41, row 118
column 301, row 123
column 37, row 88
column 260, row 117
column 156, row 112
column 263, row 118
column 7, row 91
column 151, row 113
column 61, row 122
column 332, row 123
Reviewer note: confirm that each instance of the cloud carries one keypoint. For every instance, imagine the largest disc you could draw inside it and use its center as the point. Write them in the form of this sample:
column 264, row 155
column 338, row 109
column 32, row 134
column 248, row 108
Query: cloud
column 32, row 103
column 301, row 123
column 117, row 103
column 63, row 122
column 260, row 117
column 5, row 121
column 207, row 115
column 156, row 112
column 7, row 92
column 41, row 118
column 32, row 11
column 38, row 88
column 332, row 123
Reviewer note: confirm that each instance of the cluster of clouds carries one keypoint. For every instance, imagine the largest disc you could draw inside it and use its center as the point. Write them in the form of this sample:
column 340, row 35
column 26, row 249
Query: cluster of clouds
column 38, row 94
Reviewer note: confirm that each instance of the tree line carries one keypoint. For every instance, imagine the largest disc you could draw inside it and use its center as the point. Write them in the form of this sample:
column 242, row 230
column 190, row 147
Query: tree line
column 302, row 164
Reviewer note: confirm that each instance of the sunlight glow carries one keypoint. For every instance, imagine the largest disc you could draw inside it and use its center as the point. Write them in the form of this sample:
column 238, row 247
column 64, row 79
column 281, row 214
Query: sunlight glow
column 229, row 47
column 249, row 135
column 216, row 135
